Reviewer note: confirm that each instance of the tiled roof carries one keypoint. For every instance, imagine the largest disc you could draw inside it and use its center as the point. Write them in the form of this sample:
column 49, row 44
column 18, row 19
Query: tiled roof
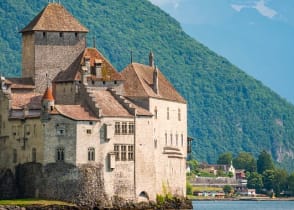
column 20, row 83
column 109, row 73
column 30, row 100
column 139, row 83
column 76, row 112
column 48, row 94
column 54, row 17
column 19, row 114
column 109, row 105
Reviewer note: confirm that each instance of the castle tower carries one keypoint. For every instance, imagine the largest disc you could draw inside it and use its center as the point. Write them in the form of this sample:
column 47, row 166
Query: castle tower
column 50, row 43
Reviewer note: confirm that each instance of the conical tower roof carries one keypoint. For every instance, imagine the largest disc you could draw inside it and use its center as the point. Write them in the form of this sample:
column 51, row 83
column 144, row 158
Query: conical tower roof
column 54, row 17
column 48, row 95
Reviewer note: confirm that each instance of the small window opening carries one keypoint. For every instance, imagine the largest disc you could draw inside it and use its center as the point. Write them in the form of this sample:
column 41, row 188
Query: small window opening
column 89, row 131
column 104, row 82
column 76, row 34
column 44, row 34
column 115, row 82
column 61, row 34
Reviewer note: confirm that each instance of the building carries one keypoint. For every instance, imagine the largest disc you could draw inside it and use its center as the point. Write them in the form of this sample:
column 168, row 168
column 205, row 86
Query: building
column 72, row 111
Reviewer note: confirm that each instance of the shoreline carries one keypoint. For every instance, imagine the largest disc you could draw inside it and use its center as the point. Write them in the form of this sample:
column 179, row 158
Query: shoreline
column 244, row 199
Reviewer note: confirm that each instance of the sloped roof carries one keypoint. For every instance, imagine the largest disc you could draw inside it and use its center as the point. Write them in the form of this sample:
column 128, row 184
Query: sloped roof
column 54, row 17
column 76, row 112
column 109, row 105
column 30, row 100
column 20, row 83
column 48, row 95
column 72, row 73
column 139, row 83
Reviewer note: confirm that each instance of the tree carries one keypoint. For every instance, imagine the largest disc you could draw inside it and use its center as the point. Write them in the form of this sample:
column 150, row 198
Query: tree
column 193, row 164
column 228, row 189
column 245, row 161
column 264, row 162
column 268, row 178
column 280, row 181
column 225, row 158
column 290, row 183
column 254, row 181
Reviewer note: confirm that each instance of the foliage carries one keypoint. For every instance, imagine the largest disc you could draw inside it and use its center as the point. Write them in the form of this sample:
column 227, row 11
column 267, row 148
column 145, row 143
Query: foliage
column 225, row 158
column 245, row 161
column 228, row 110
column 189, row 188
column 228, row 189
column 264, row 162
column 193, row 164
column 290, row 184
column 254, row 181
column 30, row 202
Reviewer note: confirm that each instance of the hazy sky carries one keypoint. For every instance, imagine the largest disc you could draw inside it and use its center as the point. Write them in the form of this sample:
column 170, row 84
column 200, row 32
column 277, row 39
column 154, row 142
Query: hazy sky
column 255, row 35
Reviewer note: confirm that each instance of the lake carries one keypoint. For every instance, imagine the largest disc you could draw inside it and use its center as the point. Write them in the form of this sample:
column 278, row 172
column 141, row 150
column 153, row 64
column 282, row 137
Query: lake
column 243, row 205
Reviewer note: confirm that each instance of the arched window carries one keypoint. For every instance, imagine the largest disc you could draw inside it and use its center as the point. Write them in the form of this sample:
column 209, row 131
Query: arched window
column 34, row 155
column 167, row 113
column 60, row 154
column 91, row 154
column 179, row 114
column 155, row 113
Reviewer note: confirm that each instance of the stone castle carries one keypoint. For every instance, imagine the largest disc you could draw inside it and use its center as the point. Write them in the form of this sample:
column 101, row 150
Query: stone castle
column 73, row 127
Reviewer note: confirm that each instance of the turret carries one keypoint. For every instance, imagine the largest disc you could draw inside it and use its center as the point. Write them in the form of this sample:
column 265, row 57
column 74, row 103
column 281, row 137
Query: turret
column 48, row 100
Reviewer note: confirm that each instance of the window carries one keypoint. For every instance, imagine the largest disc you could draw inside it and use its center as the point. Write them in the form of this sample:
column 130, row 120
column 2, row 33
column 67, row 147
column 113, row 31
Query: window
column 177, row 139
column 155, row 143
column 27, row 130
column 179, row 114
column 123, row 152
column 116, row 152
column 34, row 155
column 35, row 128
column 44, row 34
column 76, row 34
column 14, row 156
column 60, row 154
column 155, row 113
column 165, row 138
column 124, row 128
column 91, row 154
column 167, row 113
column 171, row 139
column 115, row 82
column 182, row 139
column 60, row 34
column 60, row 129
column 89, row 131
column 131, row 128
column 130, row 152
column 117, row 128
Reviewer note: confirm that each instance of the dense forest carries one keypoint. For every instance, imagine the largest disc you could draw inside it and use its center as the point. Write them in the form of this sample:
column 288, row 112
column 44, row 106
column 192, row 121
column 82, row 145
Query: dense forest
column 228, row 109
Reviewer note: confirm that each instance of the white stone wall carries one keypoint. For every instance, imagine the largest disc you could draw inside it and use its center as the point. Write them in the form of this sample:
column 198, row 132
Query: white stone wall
column 170, row 171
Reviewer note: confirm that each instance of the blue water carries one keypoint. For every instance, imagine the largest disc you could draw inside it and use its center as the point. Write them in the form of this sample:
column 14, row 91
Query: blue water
column 243, row 205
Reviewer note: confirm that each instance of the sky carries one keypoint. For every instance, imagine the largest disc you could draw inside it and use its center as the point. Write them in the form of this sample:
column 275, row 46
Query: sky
column 255, row 35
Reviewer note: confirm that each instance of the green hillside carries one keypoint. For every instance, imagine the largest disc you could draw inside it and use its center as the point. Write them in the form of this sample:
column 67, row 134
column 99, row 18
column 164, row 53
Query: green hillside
column 228, row 110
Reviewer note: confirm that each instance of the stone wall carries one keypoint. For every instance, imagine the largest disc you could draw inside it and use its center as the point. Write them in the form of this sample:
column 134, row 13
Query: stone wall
column 82, row 185
column 7, row 184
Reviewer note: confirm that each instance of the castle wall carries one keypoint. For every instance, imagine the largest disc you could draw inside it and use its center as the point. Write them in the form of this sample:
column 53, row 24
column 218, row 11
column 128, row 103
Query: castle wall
column 65, row 93
column 170, row 132
column 52, row 52
column 60, row 133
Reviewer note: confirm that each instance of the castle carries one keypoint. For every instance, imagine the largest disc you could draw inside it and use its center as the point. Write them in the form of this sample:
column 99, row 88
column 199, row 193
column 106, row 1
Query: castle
column 72, row 123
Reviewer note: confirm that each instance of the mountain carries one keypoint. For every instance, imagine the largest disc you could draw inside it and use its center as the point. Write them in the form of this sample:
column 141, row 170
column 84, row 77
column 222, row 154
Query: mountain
column 228, row 110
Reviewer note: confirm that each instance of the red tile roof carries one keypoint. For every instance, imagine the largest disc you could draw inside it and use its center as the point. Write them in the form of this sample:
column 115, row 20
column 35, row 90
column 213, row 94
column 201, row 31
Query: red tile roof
column 48, row 94
column 75, row 112
column 139, row 83
column 54, row 17
column 26, row 99
column 109, row 73
column 109, row 105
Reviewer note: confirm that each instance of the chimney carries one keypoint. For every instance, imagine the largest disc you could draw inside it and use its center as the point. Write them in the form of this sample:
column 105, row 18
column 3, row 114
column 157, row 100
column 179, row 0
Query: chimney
column 98, row 68
column 84, row 75
column 87, row 63
column 155, row 80
column 151, row 59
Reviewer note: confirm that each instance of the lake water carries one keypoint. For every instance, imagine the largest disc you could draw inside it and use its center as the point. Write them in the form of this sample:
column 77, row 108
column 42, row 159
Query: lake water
column 243, row 205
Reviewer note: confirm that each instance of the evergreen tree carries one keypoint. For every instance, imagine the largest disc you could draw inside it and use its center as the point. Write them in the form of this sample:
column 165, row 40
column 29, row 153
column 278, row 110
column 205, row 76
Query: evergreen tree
column 264, row 162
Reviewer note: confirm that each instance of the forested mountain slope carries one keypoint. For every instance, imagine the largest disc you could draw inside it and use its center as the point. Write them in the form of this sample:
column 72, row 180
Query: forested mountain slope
column 228, row 110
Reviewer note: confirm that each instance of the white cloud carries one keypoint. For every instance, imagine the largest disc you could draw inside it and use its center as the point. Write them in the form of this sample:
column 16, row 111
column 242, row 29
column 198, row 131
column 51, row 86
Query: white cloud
column 264, row 10
column 174, row 3
column 259, row 5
